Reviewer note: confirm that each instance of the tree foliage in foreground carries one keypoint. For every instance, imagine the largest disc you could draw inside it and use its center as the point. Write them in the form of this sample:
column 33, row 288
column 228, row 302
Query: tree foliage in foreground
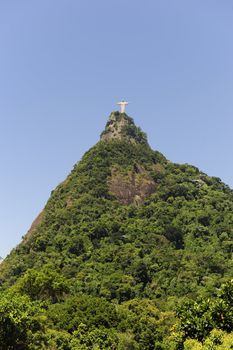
column 199, row 319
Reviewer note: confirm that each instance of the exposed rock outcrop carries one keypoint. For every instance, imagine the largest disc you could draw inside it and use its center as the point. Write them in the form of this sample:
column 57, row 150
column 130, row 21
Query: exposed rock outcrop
column 120, row 126
column 133, row 187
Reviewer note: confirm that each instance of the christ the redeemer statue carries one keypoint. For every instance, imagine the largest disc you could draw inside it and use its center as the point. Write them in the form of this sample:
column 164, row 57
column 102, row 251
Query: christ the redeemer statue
column 123, row 104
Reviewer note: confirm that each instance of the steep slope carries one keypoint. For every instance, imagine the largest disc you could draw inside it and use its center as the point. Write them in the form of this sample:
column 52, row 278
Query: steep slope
column 132, row 228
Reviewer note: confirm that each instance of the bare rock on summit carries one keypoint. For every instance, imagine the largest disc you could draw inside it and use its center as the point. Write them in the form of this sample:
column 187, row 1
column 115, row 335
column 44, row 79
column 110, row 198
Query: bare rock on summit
column 121, row 127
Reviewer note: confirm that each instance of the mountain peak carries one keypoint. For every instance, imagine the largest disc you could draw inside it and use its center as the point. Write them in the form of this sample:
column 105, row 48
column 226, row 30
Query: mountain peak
column 122, row 127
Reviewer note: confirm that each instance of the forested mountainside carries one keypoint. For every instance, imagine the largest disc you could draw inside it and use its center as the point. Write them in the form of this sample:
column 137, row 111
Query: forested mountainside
column 131, row 251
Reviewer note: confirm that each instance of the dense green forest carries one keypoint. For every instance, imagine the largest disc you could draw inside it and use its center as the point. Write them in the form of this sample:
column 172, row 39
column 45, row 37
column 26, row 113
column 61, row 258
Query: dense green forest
column 130, row 252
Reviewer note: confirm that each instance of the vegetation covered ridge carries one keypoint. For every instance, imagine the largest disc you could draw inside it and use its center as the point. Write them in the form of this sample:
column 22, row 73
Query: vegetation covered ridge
column 130, row 252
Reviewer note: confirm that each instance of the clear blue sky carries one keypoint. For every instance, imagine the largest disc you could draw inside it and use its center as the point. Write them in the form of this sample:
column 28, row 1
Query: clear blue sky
column 65, row 63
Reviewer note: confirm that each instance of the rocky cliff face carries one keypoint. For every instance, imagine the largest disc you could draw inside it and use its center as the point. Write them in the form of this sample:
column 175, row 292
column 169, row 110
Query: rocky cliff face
column 121, row 127
column 133, row 187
